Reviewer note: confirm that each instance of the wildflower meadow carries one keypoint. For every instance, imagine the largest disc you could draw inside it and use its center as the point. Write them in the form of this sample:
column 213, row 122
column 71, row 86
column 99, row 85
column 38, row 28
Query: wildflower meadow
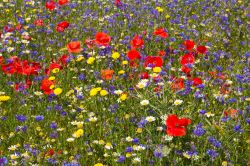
column 124, row 82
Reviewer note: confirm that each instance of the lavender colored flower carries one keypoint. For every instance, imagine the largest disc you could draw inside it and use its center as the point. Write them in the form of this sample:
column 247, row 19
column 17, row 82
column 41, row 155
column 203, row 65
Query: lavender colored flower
column 212, row 153
column 202, row 112
column 3, row 161
column 199, row 131
column 53, row 125
column 121, row 159
column 214, row 142
column 39, row 118
column 237, row 128
column 21, row 118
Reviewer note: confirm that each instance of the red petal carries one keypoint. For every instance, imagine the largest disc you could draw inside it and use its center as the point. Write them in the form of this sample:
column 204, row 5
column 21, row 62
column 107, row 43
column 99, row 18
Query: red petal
column 176, row 131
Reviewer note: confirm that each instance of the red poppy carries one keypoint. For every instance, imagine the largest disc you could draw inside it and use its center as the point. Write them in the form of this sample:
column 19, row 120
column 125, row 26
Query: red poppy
column 153, row 61
column 63, row 2
column 202, row 49
column 177, row 84
column 107, row 74
column 133, row 54
column 117, row 2
column 50, row 5
column 161, row 32
column 53, row 66
column 176, row 126
column 137, row 42
column 50, row 152
column 8, row 29
column 1, row 60
column 144, row 75
column 63, row 59
column 133, row 64
column 102, row 39
column 197, row 81
column 18, row 27
column 46, row 86
column 25, row 85
column 22, row 67
column 232, row 113
column 38, row 22
column 74, row 47
column 189, row 44
column 187, row 59
column 90, row 43
column 9, row 68
column 185, row 69
column 30, row 68
column 161, row 53
column 62, row 26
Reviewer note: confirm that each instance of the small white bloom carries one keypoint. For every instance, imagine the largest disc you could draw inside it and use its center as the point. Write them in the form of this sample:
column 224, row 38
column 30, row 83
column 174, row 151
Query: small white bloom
column 150, row 118
column 129, row 139
column 136, row 160
column 70, row 139
column 144, row 102
column 178, row 102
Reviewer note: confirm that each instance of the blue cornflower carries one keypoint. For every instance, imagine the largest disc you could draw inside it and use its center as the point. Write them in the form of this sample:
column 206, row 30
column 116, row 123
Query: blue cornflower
column 237, row 128
column 199, row 131
column 53, row 125
column 212, row 153
column 21, row 118
column 214, row 142
column 39, row 118
column 121, row 159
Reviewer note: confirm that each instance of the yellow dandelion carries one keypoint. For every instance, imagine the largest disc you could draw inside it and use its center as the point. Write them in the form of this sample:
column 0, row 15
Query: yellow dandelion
column 4, row 98
column 115, row 55
column 103, row 92
column 57, row 91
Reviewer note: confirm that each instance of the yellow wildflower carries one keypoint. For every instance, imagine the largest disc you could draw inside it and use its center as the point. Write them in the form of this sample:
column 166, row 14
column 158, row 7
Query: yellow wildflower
column 115, row 55
column 91, row 60
column 57, row 91
column 4, row 98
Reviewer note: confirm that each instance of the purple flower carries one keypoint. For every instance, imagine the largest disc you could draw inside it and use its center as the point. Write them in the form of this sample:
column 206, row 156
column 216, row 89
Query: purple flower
column 129, row 149
column 202, row 112
column 248, row 120
column 21, row 118
column 199, row 131
column 212, row 153
column 39, row 118
column 121, row 159
column 53, row 125
column 214, row 142
column 237, row 128
column 3, row 161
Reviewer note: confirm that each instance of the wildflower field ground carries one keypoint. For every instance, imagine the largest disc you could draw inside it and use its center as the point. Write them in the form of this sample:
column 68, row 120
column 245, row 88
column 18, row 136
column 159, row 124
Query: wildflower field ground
column 124, row 82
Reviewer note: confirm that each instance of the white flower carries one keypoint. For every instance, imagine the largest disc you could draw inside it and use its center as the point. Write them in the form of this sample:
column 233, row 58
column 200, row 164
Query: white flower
column 118, row 92
column 208, row 114
column 150, row 118
column 178, row 102
column 144, row 102
column 14, row 156
column 108, row 146
column 70, row 139
column 129, row 139
column 167, row 138
column 93, row 119
column 159, row 128
column 12, row 147
column 136, row 160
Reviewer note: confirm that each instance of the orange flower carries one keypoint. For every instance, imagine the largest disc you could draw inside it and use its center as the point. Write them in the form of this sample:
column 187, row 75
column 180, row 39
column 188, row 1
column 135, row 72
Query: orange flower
column 177, row 84
column 107, row 74
column 102, row 39
column 74, row 47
